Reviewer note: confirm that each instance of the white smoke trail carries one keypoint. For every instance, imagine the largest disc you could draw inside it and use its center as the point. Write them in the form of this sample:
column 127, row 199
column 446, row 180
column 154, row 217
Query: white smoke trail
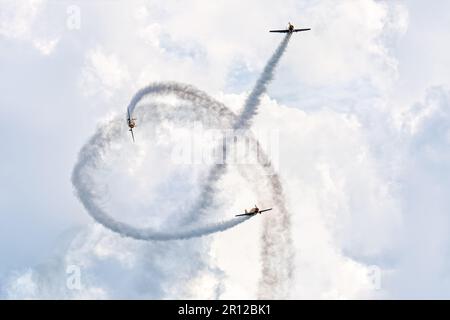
column 254, row 99
column 242, row 122
column 277, row 251
column 89, row 160
column 276, row 248
column 183, row 92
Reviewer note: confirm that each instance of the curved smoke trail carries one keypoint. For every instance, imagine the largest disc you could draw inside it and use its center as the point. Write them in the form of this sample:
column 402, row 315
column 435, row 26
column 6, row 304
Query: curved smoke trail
column 276, row 240
column 89, row 161
column 92, row 153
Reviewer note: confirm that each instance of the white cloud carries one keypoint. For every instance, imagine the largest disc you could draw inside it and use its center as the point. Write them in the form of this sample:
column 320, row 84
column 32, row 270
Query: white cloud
column 102, row 74
column 17, row 19
column 45, row 46
column 364, row 143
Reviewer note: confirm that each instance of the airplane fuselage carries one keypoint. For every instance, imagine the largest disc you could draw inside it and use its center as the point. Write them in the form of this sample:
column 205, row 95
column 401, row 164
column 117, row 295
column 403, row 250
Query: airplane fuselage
column 290, row 29
column 253, row 211
column 131, row 123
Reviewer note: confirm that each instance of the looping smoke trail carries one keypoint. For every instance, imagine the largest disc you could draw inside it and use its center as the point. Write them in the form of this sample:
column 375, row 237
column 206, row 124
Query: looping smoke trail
column 276, row 240
column 86, row 193
column 90, row 158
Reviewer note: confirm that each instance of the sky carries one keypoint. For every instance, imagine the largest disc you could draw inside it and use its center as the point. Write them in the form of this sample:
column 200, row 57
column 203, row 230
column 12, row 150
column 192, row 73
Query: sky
column 361, row 104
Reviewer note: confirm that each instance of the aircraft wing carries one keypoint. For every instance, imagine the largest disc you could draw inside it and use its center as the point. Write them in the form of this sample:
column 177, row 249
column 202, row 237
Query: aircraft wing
column 252, row 214
column 245, row 214
column 280, row 31
column 300, row 30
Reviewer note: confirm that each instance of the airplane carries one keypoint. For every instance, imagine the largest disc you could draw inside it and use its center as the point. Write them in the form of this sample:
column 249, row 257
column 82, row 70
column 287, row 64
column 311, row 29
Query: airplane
column 131, row 124
column 290, row 29
column 253, row 211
